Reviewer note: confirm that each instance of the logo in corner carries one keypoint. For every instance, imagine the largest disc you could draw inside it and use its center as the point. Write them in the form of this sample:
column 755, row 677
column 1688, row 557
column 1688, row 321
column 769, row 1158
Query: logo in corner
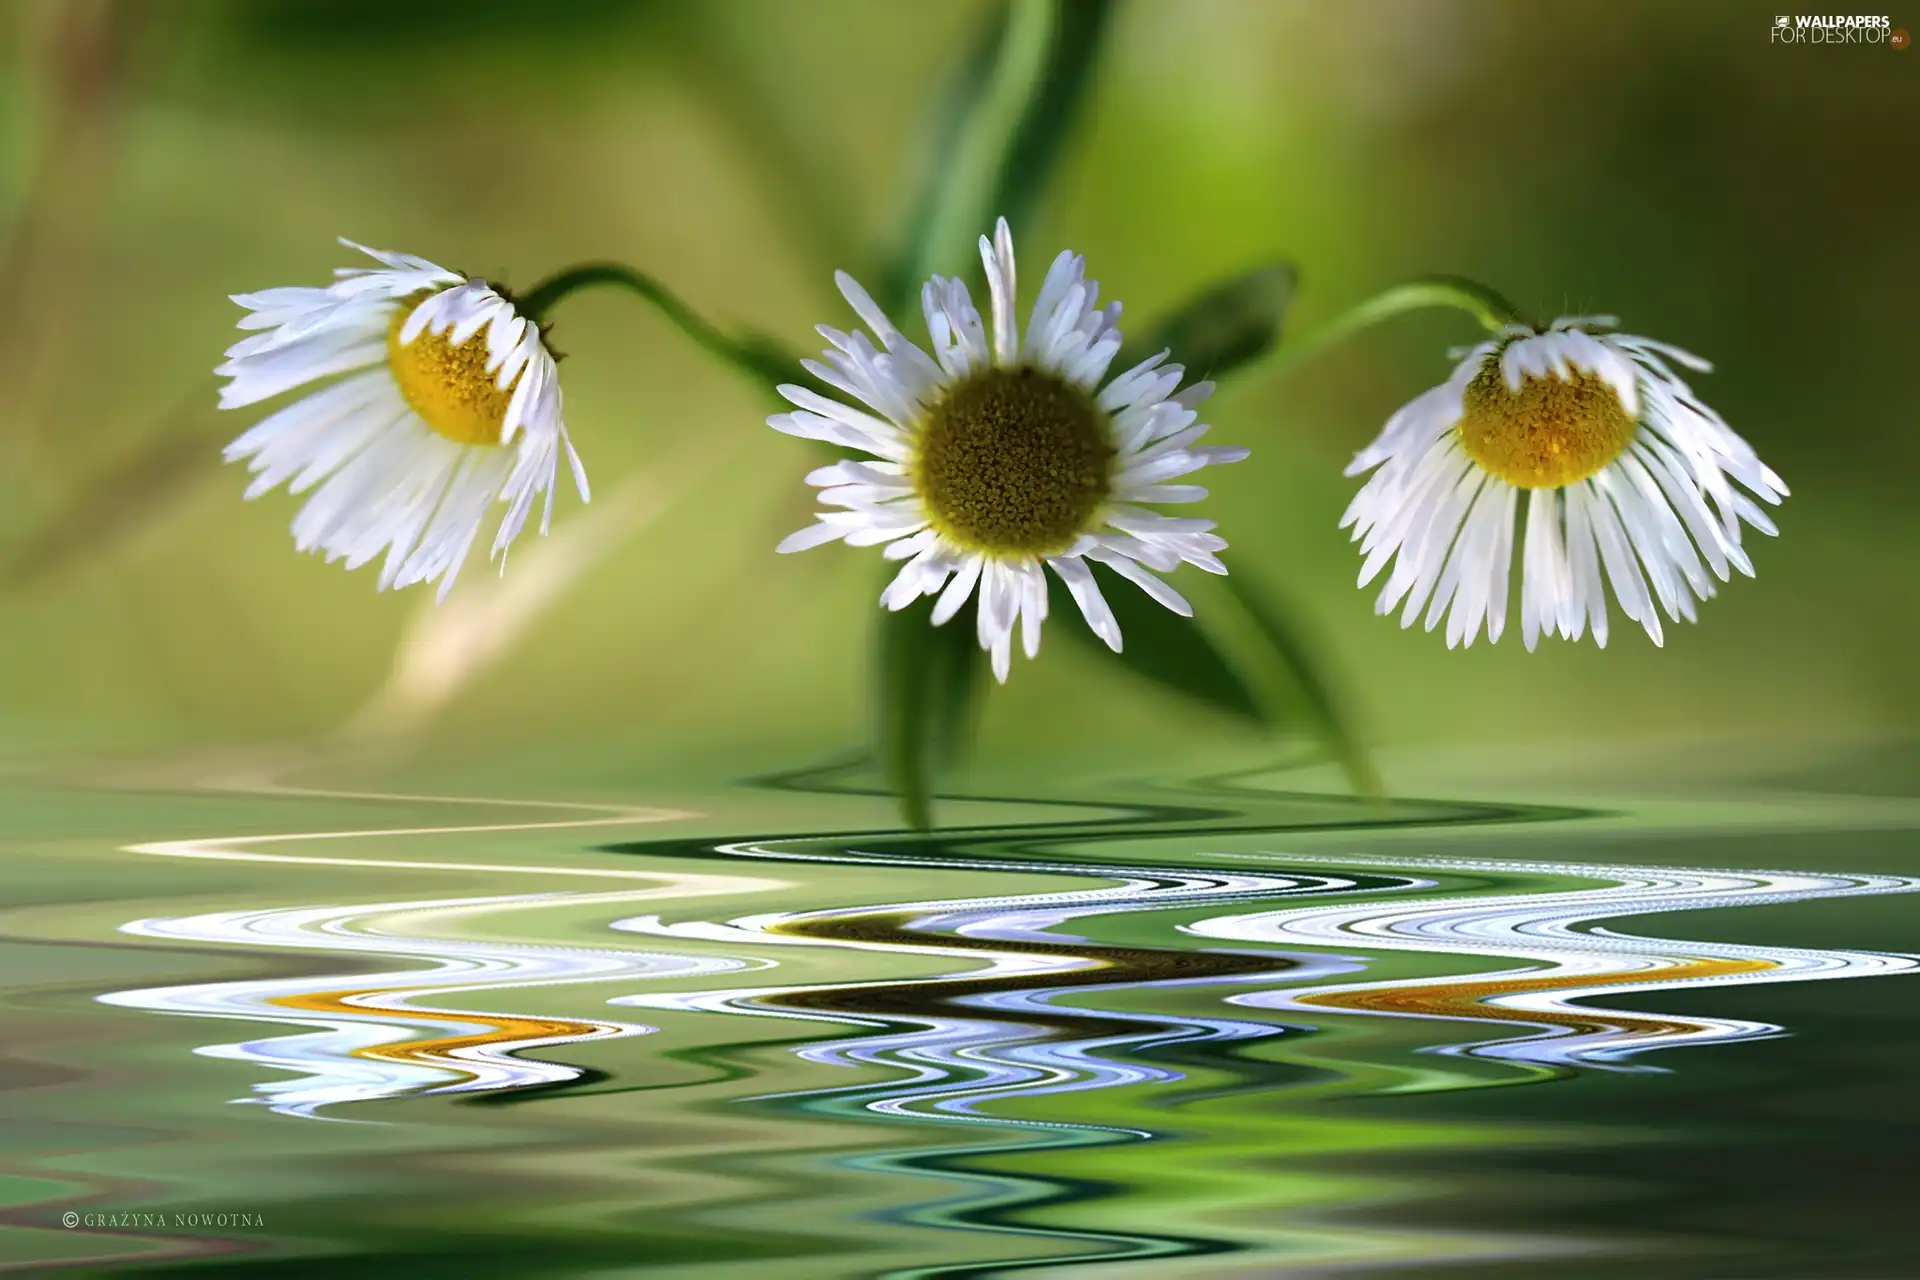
column 1837, row 29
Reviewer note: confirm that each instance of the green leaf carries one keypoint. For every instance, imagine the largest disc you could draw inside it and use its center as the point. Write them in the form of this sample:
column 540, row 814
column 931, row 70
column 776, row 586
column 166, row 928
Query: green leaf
column 924, row 701
column 1243, row 656
column 1230, row 324
column 994, row 134
column 953, row 107
column 1158, row 644
column 1079, row 27
column 1293, row 679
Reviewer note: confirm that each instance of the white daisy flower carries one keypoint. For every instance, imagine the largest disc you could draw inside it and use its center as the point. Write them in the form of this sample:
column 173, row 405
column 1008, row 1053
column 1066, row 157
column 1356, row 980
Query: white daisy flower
column 450, row 400
column 999, row 453
column 1623, row 466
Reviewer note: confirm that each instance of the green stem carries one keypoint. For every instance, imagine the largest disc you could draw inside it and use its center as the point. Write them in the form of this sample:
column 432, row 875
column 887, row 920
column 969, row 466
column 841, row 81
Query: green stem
column 968, row 185
column 756, row 357
column 1477, row 300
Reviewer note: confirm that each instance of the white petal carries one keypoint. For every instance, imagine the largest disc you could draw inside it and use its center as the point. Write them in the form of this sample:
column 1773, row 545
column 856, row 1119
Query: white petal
column 1086, row 593
column 997, row 257
column 1162, row 593
column 813, row 535
column 958, row 590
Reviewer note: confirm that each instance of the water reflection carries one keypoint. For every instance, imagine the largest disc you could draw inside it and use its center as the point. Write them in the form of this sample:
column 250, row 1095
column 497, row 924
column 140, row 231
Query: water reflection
column 369, row 1036
column 372, row 1036
column 1571, row 957
column 1174, row 1010
column 1012, row 961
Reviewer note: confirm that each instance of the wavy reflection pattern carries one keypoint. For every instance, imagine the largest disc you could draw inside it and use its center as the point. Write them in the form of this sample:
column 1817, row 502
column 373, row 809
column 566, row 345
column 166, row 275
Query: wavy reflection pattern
column 1016, row 963
column 997, row 1031
column 1033, row 1030
column 370, row 1036
column 1569, row 957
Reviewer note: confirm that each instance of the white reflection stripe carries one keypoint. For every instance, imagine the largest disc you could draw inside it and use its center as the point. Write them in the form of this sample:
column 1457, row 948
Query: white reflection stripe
column 331, row 1055
column 953, row 1064
column 1541, row 928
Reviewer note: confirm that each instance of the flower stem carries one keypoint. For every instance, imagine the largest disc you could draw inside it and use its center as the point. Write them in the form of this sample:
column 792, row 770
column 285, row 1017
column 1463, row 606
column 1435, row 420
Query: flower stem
column 1477, row 300
column 759, row 358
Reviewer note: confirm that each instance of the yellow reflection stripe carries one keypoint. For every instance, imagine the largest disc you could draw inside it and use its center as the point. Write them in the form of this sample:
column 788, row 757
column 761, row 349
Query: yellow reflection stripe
column 1468, row 999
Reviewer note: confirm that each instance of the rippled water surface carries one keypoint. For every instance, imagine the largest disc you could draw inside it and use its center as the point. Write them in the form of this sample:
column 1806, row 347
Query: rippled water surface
column 1205, row 1028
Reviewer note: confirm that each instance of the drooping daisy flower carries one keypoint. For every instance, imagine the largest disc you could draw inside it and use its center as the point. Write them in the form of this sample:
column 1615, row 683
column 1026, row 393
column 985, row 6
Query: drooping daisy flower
column 1000, row 454
column 449, row 402
column 1623, row 467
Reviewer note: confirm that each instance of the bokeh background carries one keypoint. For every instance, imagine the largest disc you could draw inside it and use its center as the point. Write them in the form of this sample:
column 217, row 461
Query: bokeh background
column 1662, row 162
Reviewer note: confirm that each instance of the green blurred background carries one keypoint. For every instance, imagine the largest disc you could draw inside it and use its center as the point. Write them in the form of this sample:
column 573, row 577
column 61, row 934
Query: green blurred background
column 1663, row 162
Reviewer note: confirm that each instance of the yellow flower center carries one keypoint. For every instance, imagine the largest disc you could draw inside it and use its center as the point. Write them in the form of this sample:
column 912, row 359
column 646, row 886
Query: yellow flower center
column 448, row 385
column 1549, row 433
column 1013, row 462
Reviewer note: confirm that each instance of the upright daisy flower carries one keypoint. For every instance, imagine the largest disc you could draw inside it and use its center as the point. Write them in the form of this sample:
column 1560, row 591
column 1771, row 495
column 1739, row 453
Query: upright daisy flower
column 1623, row 466
column 450, row 400
column 999, row 454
